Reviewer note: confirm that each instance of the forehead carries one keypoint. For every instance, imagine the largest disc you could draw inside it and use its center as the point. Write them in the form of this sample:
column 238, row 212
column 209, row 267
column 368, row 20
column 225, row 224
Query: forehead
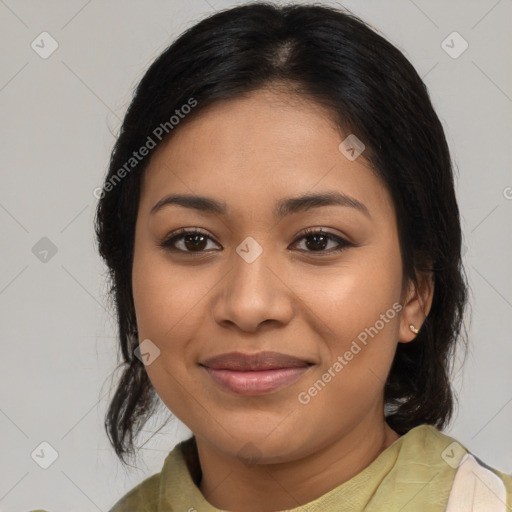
column 258, row 148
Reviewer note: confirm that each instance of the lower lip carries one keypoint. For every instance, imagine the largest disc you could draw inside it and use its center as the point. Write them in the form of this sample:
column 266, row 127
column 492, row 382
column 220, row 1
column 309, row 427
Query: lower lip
column 256, row 382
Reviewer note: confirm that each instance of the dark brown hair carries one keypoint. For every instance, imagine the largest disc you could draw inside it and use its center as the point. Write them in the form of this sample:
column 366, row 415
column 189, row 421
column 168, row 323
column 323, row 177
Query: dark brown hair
column 372, row 91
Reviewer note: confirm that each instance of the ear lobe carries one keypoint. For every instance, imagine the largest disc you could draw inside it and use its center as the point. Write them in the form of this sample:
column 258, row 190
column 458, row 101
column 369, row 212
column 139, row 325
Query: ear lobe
column 416, row 306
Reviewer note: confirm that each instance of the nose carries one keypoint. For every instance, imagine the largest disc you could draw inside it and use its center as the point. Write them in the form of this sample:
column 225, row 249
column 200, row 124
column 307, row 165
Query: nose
column 254, row 290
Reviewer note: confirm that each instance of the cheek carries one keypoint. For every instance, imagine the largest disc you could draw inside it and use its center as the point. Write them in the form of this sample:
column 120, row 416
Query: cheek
column 361, row 308
column 168, row 312
column 151, row 295
column 358, row 353
column 164, row 295
column 354, row 297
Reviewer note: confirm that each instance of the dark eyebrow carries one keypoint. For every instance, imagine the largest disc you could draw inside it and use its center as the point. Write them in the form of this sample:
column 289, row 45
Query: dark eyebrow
column 283, row 208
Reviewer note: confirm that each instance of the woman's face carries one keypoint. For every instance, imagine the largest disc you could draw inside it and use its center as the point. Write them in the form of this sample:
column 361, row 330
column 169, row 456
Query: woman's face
column 252, row 281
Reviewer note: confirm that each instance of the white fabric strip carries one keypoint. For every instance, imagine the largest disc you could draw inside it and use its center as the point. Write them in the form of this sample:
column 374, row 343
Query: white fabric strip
column 476, row 489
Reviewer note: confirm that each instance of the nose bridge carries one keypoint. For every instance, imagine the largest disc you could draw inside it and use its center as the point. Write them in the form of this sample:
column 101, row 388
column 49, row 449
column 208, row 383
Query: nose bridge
column 251, row 290
column 250, row 274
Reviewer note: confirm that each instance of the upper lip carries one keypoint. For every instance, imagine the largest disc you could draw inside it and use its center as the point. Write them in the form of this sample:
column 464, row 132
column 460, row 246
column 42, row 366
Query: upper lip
column 259, row 361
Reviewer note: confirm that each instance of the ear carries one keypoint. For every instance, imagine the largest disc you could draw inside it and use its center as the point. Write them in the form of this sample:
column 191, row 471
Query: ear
column 416, row 306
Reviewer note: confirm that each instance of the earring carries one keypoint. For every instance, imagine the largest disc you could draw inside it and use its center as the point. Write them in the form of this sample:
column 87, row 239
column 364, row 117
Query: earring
column 413, row 329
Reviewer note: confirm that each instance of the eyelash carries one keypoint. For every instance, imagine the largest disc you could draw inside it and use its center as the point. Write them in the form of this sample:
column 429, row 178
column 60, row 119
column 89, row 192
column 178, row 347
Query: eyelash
column 168, row 242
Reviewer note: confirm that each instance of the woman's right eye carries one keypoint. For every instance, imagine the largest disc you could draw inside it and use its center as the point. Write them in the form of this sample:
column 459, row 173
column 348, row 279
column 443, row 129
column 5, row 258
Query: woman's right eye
column 192, row 240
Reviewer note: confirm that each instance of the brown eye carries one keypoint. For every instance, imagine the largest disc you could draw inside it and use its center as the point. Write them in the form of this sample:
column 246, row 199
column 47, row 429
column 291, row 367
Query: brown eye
column 191, row 241
column 318, row 240
column 196, row 241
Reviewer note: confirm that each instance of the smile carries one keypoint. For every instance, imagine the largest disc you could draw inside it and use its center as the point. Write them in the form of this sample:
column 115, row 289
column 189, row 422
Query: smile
column 255, row 382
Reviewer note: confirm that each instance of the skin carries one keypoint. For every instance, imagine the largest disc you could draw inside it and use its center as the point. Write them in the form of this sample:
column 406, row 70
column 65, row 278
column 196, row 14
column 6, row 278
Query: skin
column 296, row 298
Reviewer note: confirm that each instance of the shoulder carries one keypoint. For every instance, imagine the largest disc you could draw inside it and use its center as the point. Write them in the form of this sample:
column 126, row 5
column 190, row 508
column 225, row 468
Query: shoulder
column 479, row 487
column 456, row 477
column 151, row 494
column 143, row 497
column 507, row 480
column 475, row 483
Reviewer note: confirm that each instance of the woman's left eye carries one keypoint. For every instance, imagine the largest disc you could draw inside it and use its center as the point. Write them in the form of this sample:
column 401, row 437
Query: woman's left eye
column 320, row 239
column 195, row 241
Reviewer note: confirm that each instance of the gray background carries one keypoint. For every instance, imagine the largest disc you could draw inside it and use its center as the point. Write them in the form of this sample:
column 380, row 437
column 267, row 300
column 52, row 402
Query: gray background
column 59, row 117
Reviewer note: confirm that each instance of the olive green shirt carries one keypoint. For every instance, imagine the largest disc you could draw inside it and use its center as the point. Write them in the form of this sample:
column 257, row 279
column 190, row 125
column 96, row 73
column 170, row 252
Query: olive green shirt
column 414, row 474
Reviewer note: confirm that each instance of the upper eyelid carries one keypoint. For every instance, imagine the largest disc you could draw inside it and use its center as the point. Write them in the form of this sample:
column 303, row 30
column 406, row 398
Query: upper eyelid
column 304, row 232
column 179, row 234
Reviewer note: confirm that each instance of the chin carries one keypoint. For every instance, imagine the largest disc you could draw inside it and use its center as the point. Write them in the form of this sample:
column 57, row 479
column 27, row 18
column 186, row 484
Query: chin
column 253, row 448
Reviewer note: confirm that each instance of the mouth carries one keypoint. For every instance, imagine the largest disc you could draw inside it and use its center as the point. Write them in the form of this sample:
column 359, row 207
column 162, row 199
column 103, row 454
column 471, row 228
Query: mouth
column 237, row 361
column 255, row 374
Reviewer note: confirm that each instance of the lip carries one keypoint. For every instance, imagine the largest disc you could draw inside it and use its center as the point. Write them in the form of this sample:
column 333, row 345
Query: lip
column 253, row 362
column 255, row 374
column 256, row 382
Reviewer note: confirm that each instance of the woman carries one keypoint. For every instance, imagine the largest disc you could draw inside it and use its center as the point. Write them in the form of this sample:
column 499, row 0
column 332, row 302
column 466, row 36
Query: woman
column 281, row 229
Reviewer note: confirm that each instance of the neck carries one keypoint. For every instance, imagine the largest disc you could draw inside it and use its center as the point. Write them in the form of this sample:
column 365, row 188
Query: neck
column 228, row 484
